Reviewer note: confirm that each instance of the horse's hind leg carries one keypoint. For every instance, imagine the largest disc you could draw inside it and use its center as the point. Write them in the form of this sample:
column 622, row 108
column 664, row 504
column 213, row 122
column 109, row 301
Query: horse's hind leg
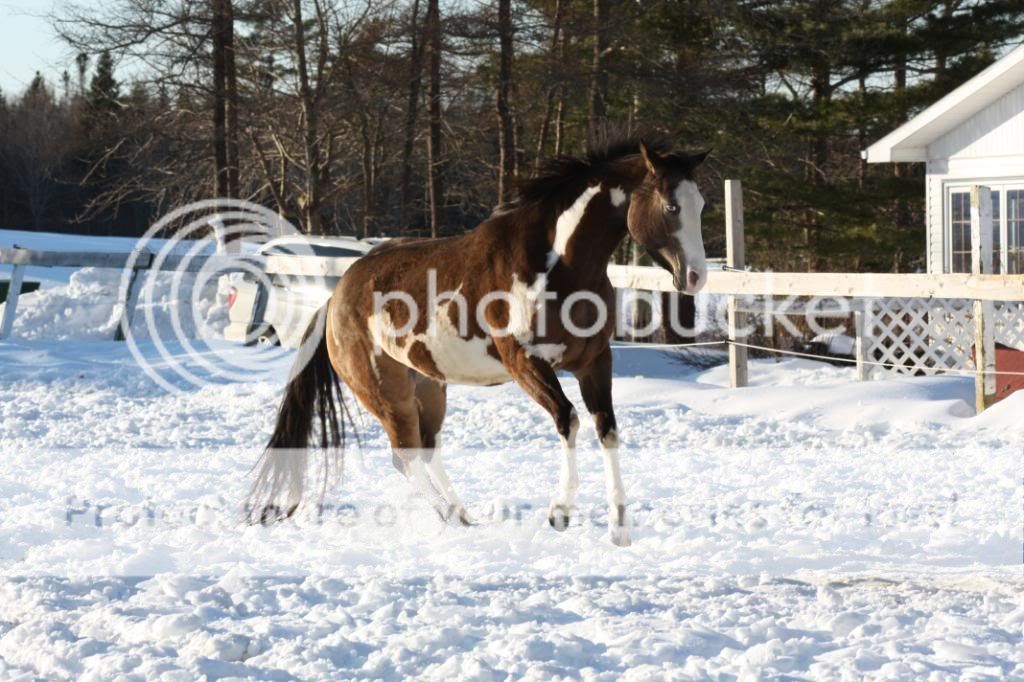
column 432, row 401
column 386, row 389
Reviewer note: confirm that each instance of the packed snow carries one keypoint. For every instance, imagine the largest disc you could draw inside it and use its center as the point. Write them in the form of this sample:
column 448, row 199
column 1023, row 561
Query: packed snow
column 808, row 526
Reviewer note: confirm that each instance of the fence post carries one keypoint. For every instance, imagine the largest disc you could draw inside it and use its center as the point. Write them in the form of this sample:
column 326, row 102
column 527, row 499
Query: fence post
column 129, row 297
column 984, row 311
column 735, row 258
column 863, row 372
column 11, row 308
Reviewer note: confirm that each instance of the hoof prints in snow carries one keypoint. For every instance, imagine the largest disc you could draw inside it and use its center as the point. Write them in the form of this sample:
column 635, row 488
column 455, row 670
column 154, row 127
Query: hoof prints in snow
column 496, row 626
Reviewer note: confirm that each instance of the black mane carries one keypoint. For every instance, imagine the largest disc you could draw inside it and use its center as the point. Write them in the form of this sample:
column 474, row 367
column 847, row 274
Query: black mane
column 561, row 179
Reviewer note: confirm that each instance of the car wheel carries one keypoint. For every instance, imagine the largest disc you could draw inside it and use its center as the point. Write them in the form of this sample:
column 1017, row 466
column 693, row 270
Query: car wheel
column 268, row 337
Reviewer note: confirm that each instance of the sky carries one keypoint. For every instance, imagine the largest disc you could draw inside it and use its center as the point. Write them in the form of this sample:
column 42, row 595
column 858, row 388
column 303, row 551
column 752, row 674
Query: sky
column 28, row 44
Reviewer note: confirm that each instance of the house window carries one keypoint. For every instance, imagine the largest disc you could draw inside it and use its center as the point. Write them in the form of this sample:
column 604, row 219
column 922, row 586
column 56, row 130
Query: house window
column 1007, row 229
column 960, row 224
column 997, row 234
column 1015, row 231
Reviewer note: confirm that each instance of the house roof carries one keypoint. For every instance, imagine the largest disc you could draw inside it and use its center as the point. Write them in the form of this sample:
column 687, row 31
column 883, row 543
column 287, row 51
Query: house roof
column 910, row 141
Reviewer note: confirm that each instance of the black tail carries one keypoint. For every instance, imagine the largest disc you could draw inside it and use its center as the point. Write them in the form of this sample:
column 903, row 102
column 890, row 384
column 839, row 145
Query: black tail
column 313, row 393
column 310, row 392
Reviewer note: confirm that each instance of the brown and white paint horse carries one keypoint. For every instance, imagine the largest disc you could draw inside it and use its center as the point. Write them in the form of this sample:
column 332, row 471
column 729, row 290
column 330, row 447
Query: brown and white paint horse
column 536, row 273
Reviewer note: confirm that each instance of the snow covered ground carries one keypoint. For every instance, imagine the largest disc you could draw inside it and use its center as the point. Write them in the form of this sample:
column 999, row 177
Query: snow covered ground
column 806, row 527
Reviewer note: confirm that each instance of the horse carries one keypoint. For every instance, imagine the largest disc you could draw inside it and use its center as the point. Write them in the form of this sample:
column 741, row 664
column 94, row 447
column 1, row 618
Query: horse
column 535, row 272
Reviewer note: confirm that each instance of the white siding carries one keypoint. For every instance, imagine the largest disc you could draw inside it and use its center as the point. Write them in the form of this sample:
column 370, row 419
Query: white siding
column 934, row 207
column 997, row 130
column 970, row 172
column 988, row 147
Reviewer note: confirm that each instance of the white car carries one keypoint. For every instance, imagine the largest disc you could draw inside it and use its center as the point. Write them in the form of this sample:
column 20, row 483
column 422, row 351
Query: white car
column 280, row 313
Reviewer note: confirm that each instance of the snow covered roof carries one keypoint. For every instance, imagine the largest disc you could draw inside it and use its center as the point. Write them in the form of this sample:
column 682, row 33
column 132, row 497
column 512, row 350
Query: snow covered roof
column 910, row 141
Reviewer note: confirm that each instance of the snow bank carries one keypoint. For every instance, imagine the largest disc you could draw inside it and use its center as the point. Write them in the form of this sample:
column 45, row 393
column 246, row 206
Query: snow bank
column 87, row 309
column 81, row 304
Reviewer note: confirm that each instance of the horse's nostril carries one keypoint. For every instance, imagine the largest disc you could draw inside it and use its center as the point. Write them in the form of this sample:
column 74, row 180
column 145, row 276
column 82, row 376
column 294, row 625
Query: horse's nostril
column 694, row 279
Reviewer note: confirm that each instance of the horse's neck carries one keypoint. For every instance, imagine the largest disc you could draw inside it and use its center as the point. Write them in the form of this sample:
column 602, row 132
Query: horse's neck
column 596, row 236
column 594, row 243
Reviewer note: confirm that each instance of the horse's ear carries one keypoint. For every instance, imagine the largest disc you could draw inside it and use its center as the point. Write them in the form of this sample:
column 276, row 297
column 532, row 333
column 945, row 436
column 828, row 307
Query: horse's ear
column 698, row 159
column 650, row 159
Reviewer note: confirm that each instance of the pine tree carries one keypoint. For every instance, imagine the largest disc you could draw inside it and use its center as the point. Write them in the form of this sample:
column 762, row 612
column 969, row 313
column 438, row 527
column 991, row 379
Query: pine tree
column 104, row 91
column 37, row 88
column 835, row 80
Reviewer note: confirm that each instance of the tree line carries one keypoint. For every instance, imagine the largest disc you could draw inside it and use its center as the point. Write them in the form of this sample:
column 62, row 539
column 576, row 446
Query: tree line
column 417, row 117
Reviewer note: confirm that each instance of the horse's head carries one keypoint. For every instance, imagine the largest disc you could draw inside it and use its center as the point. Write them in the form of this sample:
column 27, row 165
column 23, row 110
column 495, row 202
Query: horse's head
column 664, row 217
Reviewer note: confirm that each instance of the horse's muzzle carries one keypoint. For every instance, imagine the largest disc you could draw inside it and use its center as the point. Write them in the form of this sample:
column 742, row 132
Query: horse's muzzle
column 689, row 280
column 685, row 279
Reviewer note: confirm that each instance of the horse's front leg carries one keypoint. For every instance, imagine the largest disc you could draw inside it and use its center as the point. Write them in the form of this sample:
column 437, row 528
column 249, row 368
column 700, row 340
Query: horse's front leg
column 596, row 387
column 540, row 382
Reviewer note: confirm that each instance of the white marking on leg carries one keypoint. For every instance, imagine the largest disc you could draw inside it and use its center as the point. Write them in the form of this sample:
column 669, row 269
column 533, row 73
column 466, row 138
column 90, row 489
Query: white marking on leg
column 570, row 220
column 415, row 469
column 568, row 478
column 618, row 196
column 615, row 490
column 439, row 475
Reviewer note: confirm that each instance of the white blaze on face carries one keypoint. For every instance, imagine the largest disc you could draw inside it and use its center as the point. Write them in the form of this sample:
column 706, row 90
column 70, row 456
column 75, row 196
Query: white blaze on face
column 690, row 237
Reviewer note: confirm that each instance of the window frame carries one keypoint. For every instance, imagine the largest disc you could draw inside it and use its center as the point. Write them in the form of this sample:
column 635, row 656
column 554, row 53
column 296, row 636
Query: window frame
column 1005, row 217
column 1003, row 186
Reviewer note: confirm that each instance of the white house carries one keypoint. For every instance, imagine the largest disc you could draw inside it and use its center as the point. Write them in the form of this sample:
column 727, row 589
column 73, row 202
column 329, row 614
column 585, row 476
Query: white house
column 973, row 135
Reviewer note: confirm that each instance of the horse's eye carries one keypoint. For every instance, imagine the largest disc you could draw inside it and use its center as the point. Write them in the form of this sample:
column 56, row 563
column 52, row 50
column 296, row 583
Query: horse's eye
column 672, row 208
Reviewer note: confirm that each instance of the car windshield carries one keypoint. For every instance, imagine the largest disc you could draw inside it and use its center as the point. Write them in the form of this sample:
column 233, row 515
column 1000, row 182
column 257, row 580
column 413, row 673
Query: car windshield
column 316, row 249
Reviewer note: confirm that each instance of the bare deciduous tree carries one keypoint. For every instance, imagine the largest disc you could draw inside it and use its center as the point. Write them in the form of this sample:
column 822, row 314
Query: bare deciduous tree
column 598, row 72
column 434, row 153
column 506, row 126
column 411, row 112
column 35, row 147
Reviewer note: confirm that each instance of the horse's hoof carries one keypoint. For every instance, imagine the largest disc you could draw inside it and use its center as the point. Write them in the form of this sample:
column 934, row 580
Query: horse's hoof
column 272, row 513
column 466, row 520
column 558, row 517
column 457, row 516
column 620, row 537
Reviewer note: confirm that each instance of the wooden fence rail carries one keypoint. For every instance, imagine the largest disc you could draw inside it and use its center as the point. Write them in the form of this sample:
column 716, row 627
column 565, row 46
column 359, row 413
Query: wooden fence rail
column 832, row 284
column 981, row 287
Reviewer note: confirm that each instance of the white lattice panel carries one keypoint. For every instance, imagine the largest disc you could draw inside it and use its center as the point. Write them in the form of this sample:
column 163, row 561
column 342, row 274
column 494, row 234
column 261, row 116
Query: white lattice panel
column 926, row 336
column 1010, row 324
